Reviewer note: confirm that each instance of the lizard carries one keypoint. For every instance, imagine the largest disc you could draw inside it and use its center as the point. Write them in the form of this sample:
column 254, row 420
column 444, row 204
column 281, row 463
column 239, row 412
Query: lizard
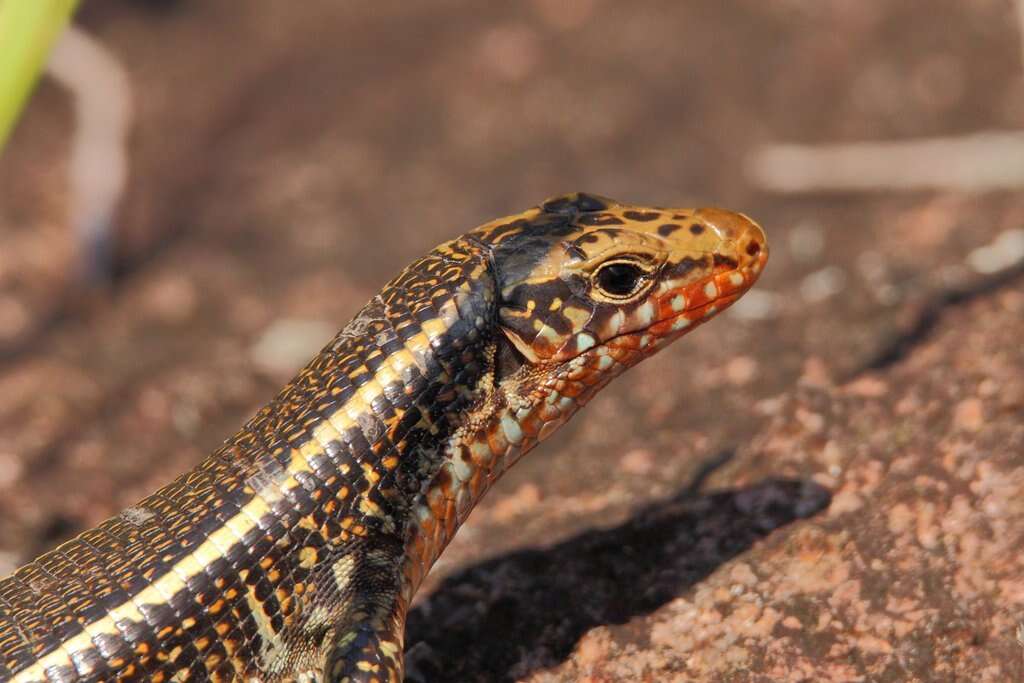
column 292, row 553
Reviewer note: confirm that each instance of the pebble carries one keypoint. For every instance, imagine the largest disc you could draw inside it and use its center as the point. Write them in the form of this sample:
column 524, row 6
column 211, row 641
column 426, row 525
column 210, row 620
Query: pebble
column 288, row 343
column 1005, row 251
column 823, row 284
column 969, row 415
column 741, row 370
column 638, row 461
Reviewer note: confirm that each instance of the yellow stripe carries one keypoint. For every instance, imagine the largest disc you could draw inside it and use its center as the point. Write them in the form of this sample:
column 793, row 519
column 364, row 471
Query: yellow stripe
column 370, row 391
column 245, row 520
column 324, row 433
column 400, row 361
column 434, row 328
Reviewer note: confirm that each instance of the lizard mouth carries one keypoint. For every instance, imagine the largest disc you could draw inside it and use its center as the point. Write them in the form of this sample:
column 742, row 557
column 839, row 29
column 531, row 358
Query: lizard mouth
column 685, row 305
column 681, row 309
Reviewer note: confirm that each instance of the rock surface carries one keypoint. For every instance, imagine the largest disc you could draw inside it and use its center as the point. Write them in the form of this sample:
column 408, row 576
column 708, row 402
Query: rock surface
column 825, row 484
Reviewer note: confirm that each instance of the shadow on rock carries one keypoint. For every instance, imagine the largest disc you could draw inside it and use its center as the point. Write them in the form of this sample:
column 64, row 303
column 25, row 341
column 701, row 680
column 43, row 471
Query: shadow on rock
column 511, row 615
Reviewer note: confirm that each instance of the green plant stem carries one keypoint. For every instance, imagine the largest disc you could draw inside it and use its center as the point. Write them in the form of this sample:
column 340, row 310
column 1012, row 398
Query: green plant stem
column 27, row 31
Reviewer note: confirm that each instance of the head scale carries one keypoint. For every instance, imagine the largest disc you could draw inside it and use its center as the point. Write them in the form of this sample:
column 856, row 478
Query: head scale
column 582, row 274
column 579, row 288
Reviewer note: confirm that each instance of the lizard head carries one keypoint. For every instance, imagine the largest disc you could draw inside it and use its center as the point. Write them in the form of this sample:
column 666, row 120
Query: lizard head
column 579, row 289
column 588, row 287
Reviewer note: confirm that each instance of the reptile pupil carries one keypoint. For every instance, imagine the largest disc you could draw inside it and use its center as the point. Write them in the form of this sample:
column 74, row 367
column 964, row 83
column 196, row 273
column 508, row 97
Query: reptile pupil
column 619, row 279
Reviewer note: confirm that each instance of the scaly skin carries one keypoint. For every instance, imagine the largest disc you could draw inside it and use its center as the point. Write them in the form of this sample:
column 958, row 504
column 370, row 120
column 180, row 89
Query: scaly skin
column 293, row 551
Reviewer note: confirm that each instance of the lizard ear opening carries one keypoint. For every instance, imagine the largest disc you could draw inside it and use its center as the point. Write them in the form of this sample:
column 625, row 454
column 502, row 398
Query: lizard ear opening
column 508, row 358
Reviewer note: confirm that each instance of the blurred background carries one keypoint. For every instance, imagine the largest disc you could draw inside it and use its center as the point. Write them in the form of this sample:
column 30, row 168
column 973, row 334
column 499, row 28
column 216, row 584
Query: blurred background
column 199, row 194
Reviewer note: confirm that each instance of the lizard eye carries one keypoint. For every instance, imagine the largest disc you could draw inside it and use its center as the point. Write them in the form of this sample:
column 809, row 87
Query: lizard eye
column 619, row 279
